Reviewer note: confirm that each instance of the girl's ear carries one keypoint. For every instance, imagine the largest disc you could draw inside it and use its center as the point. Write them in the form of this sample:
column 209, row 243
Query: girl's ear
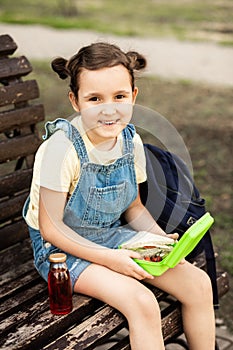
column 135, row 92
column 73, row 101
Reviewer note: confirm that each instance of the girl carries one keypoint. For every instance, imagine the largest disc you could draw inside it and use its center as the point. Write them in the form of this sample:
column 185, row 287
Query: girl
column 86, row 175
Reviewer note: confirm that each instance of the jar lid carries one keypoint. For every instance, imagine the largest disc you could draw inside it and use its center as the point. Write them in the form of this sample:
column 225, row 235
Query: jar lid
column 57, row 257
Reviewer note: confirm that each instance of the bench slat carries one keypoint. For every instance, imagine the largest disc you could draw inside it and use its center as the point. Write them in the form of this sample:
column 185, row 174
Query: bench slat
column 12, row 208
column 14, row 68
column 19, row 92
column 18, row 181
column 18, row 147
column 123, row 344
column 102, row 325
column 7, row 45
column 11, row 281
column 222, row 283
column 19, row 117
column 15, row 261
column 34, row 326
column 13, row 233
column 28, row 295
column 172, row 322
column 15, row 255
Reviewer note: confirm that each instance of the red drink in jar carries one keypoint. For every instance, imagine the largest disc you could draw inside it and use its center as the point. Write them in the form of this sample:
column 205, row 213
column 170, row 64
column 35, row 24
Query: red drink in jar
column 59, row 285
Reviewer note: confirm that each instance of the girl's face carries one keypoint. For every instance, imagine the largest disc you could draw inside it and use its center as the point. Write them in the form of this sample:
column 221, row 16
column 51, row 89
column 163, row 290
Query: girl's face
column 105, row 101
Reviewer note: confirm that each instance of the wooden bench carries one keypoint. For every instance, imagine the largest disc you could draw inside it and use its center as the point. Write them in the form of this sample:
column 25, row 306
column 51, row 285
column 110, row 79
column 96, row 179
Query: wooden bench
column 25, row 318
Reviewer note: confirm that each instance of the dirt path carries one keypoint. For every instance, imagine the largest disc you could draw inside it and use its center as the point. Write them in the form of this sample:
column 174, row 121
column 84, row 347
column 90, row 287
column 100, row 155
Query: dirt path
column 167, row 58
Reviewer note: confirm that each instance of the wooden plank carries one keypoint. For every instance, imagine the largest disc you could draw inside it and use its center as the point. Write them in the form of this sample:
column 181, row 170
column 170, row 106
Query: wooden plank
column 16, row 182
column 29, row 293
column 107, row 322
column 16, row 278
column 19, row 117
column 102, row 325
column 91, row 332
column 13, row 259
column 222, row 283
column 7, row 45
column 13, row 233
column 14, row 67
column 12, row 207
column 18, row 92
column 18, row 147
column 172, row 322
column 123, row 344
column 34, row 326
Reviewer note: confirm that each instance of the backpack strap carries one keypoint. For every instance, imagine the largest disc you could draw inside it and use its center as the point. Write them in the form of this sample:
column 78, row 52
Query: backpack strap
column 211, row 266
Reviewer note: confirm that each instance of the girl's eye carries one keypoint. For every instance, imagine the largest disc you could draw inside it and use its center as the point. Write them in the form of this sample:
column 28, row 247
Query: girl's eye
column 94, row 99
column 120, row 97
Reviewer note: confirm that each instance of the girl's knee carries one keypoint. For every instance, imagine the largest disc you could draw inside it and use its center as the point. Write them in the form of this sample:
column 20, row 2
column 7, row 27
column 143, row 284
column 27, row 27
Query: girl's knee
column 203, row 282
column 144, row 304
column 201, row 289
column 206, row 287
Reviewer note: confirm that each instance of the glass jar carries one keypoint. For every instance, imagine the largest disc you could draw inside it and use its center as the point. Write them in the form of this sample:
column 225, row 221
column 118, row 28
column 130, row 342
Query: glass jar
column 59, row 285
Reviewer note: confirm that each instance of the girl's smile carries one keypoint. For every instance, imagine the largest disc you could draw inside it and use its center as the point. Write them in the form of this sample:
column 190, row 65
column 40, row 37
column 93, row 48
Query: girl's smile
column 108, row 122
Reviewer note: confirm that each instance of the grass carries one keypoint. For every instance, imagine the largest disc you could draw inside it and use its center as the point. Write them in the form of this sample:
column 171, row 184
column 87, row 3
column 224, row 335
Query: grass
column 178, row 18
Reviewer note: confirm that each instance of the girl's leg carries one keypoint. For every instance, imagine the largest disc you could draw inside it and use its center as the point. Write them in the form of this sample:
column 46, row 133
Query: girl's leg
column 192, row 287
column 136, row 302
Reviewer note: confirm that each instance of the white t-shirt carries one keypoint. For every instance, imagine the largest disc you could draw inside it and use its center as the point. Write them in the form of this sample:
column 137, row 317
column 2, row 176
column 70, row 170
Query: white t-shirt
column 57, row 166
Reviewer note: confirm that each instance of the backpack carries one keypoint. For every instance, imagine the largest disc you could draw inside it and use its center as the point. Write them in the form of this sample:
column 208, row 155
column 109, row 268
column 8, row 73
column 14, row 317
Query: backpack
column 174, row 201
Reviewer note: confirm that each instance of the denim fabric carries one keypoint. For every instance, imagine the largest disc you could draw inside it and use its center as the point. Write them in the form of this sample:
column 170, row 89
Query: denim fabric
column 42, row 249
column 102, row 194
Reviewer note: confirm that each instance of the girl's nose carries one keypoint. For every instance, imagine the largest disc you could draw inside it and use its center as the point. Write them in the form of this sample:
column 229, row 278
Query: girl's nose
column 109, row 110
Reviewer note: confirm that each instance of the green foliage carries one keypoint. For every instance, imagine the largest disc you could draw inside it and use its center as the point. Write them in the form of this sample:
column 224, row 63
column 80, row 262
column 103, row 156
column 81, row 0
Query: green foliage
column 223, row 240
column 184, row 19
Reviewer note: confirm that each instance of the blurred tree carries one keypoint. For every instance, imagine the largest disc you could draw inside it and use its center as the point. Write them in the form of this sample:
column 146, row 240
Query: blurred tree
column 68, row 8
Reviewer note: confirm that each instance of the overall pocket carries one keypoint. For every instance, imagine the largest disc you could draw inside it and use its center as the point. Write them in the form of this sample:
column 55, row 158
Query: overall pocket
column 104, row 206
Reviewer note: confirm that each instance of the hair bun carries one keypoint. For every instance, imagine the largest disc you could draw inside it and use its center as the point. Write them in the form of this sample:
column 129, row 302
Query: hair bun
column 137, row 61
column 59, row 66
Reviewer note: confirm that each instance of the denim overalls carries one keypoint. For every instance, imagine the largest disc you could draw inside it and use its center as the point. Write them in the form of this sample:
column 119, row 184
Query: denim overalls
column 102, row 194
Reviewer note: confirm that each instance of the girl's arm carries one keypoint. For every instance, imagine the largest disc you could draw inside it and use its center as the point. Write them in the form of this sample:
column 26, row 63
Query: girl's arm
column 140, row 219
column 55, row 231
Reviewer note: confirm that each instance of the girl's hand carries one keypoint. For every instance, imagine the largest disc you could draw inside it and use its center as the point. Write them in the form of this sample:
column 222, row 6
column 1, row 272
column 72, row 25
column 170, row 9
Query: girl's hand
column 121, row 260
column 174, row 236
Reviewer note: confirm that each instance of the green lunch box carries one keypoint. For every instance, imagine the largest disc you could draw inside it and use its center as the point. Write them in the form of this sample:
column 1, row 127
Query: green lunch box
column 181, row 249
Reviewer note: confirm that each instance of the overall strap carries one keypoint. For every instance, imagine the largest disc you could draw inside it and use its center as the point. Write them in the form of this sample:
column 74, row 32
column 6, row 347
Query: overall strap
column 71, row 133
column 128, row 134
column 74, row 136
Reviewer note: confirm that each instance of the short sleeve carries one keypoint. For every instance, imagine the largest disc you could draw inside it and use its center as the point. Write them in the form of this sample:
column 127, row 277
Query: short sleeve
column 57, row 165
column 140, row 159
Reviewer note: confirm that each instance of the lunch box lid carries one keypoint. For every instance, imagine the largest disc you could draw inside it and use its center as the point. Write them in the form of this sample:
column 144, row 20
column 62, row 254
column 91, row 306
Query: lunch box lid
column 182, row 248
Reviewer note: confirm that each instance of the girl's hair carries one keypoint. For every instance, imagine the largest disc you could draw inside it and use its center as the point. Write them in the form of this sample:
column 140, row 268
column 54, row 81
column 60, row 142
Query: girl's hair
column 96, row 56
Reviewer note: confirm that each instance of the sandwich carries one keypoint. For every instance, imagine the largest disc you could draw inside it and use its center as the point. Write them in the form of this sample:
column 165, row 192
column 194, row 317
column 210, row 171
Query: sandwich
column 150, row 246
